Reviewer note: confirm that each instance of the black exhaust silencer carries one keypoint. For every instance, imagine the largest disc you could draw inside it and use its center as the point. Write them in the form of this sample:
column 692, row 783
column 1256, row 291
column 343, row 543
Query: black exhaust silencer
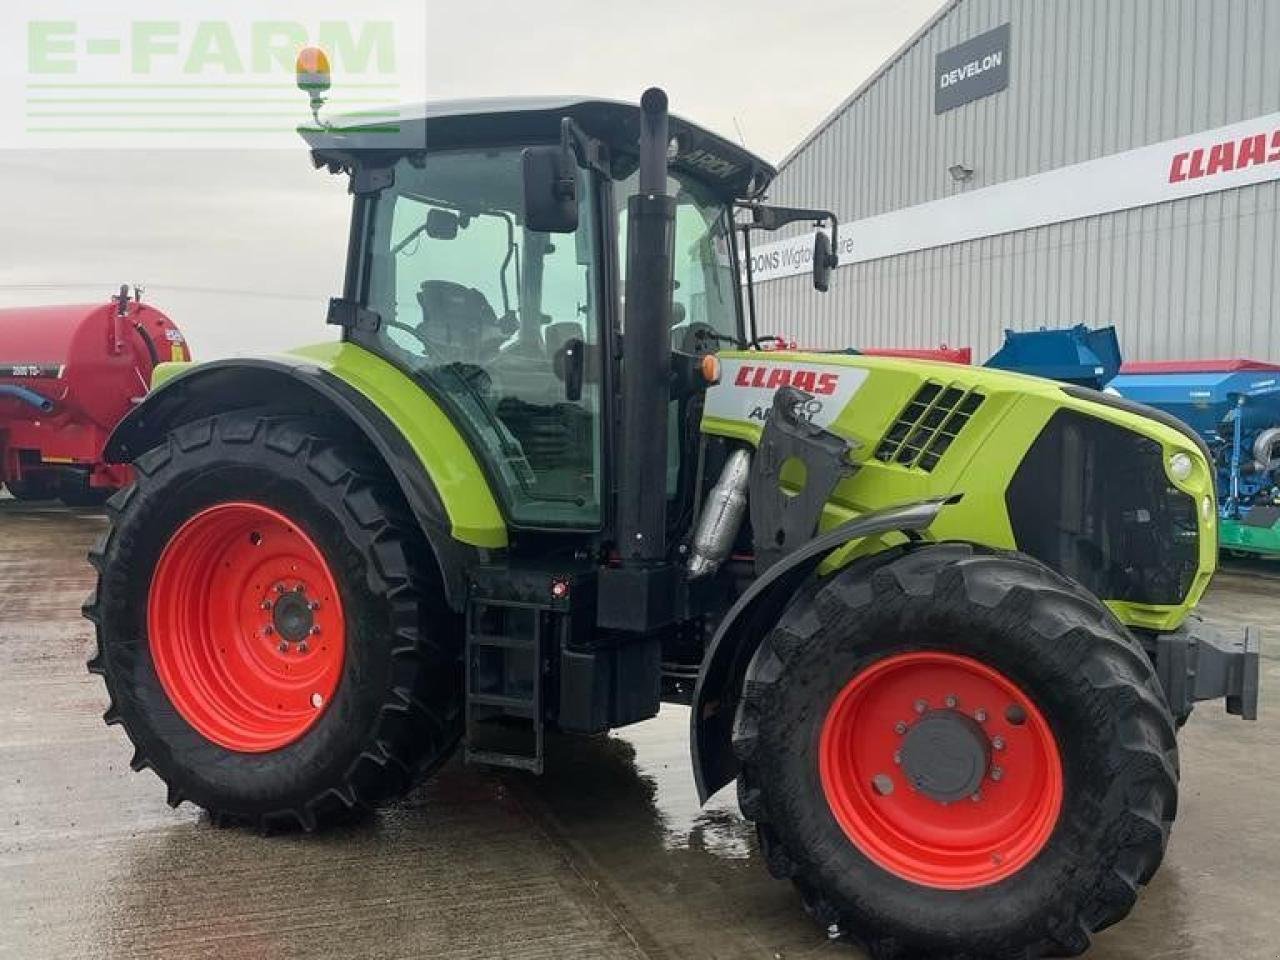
column 646, row 352
column 640, row 594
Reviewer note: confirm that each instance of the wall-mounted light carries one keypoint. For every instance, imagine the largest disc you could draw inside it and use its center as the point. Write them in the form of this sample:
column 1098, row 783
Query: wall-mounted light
column 960, row 173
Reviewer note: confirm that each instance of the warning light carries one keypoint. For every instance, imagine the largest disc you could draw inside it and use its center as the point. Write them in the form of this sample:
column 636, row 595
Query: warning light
column 314, row 75
column 559, row 589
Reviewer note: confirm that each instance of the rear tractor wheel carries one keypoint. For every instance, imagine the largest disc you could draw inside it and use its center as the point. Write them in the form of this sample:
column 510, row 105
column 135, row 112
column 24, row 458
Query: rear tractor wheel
column 270, row 629
column 957, row 753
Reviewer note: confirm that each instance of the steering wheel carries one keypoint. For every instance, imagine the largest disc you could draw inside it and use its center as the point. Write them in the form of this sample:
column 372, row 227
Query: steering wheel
column 411, row 331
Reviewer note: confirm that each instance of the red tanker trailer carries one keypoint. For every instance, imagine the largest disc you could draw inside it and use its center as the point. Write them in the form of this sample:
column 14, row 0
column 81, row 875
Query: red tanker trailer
column 67, row 377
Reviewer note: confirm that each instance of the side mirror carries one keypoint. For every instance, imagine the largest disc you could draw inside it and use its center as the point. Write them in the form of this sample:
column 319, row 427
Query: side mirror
column 550, row 190
column 824, row 261
column 441, row 224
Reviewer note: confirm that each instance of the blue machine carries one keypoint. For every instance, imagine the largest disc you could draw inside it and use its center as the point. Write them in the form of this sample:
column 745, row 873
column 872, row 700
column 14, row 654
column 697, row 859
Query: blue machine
column 1235, row 406
column 1077, row 354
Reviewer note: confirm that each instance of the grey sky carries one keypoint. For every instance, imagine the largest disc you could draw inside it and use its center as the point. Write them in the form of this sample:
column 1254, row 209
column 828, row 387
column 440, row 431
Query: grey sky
column 243, row 249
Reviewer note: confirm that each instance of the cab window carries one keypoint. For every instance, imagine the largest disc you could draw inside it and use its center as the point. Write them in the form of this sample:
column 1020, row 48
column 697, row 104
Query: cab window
column 484, row 310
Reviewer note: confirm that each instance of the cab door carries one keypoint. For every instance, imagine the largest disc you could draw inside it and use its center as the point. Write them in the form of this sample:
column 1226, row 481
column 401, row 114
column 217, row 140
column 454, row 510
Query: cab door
column 488, row 315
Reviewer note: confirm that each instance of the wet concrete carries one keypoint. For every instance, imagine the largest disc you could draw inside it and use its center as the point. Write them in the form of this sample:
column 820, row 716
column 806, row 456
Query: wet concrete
column 608, row 855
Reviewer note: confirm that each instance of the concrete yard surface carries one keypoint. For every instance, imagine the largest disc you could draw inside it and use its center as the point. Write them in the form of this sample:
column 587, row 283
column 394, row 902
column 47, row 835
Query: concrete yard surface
column 606, row 856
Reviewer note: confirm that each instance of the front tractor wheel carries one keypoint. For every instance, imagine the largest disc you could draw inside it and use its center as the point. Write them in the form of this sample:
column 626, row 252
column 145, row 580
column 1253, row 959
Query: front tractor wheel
column 269, row 627
column 957, row 753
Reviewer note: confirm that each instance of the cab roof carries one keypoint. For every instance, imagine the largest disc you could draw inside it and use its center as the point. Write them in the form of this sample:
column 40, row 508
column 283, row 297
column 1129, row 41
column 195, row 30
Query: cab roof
column 730, row 170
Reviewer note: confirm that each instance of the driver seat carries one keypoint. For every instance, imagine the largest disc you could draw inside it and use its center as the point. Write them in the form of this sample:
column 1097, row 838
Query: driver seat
column 459, row 324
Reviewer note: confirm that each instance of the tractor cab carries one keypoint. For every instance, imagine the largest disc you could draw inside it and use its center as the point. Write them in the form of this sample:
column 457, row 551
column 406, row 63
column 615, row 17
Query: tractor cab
column 517, row 329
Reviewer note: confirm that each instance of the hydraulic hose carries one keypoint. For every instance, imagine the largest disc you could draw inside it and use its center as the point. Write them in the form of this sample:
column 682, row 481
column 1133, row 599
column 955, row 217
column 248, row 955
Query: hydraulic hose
column 27, row 396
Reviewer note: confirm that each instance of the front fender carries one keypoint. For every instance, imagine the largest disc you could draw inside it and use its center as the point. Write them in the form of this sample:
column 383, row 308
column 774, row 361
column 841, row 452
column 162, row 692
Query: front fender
column 715, row 698
column 343, row 385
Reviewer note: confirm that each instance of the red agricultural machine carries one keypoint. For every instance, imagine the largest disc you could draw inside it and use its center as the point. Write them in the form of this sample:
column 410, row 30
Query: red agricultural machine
column 68, row 375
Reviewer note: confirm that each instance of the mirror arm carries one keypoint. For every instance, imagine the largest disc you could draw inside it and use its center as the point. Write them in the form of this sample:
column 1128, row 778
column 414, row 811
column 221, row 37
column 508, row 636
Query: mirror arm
column 587, row 150
column 751, row 282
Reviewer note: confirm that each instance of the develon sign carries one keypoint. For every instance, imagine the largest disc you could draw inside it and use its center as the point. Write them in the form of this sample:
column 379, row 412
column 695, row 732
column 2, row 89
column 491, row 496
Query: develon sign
column 976, row 68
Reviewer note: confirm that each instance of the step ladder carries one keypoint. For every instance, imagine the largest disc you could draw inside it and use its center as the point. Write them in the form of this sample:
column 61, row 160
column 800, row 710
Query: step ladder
column 505, row 681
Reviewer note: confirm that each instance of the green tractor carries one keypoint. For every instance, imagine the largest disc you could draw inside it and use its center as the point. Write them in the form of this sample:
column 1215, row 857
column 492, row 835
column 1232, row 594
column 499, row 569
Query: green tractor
column 935, row 621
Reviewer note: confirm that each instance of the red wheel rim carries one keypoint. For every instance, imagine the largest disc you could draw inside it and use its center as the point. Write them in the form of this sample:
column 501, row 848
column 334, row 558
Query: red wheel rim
column 874, row 761
column 245, row 627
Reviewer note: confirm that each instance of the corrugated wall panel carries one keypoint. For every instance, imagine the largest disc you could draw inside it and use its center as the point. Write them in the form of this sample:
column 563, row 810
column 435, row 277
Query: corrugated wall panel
column 1088, row 78
column 1193, row 278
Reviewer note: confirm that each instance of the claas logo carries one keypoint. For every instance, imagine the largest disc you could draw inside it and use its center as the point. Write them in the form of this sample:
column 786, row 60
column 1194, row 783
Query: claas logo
column 772, row 377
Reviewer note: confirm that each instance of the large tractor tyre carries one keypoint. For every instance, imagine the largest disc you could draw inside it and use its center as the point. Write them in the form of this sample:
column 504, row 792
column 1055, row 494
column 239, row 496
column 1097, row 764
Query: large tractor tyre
column 957, row 753
column 271, row 626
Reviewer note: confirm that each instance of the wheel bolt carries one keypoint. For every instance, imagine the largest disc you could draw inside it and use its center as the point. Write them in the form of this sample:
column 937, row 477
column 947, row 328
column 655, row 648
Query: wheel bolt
column 268, row 630
column 313, row 606
column 897, row 757
column 951, row 700
column 299, row 589
column 302, row 647
column 315, row 630
column 980, row 716
column 997, row 773
column 976, row 797
column 899, row 728
column 317, row 700
column 266, row 604
column 284, row 646
column 921, row 706
column 279, row 588
column 998, row 743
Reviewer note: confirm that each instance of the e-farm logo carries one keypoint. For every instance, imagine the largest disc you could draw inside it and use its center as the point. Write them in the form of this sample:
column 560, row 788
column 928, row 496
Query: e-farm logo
column 202, row 73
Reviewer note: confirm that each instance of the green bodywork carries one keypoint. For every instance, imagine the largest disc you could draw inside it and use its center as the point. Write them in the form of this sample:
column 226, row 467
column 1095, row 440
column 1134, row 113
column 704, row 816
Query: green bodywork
column 979, row 464
column 473, row 512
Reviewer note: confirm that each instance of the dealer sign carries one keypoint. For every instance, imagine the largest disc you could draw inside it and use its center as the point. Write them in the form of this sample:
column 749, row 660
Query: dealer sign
column 976, row 68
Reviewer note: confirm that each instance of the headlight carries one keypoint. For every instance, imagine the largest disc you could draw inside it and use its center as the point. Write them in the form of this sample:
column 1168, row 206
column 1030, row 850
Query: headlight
column 1180, row 467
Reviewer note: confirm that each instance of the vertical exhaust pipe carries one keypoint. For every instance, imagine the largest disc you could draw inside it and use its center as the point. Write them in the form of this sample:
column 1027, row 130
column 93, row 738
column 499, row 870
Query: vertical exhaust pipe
column 646, row 354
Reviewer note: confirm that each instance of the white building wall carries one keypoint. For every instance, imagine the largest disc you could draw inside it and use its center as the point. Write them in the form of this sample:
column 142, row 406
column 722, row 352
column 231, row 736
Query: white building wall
column 1089, row 78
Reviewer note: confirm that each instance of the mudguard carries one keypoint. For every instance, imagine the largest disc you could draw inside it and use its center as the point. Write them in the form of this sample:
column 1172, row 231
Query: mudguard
column 715, row 698
column 300, row 385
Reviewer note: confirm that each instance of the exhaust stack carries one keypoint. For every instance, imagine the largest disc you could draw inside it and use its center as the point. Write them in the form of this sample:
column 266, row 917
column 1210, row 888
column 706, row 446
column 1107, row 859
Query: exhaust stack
column 646, row 353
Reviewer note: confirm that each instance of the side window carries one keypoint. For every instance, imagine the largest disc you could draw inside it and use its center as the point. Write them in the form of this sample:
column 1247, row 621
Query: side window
column 486, row 311
column 705, row 295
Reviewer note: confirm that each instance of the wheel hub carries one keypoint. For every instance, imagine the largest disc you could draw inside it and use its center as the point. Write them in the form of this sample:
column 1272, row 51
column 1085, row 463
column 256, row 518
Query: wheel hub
column 292, row 616
column 946, row 755
column 912, row 734
column 245, row 627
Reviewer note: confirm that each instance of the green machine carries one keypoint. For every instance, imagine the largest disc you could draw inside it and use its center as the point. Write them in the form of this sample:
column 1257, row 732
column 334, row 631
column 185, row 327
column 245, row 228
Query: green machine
column 935, row 621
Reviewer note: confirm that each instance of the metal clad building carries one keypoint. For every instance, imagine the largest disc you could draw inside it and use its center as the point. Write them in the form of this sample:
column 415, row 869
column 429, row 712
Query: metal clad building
column 1194, row 272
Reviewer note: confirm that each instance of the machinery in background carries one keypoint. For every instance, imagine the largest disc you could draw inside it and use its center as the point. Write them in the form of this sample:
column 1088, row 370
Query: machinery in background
column 1079, row 355
column 943, row 353
column 1235, row 406
column 68, row 375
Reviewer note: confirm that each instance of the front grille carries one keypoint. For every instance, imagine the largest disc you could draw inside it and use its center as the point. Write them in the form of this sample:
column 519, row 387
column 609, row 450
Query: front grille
column 1091, row 499
column 928, row 425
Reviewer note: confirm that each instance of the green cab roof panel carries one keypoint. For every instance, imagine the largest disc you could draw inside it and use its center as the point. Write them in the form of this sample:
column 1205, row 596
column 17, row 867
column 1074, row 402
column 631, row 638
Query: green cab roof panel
column 729, row 169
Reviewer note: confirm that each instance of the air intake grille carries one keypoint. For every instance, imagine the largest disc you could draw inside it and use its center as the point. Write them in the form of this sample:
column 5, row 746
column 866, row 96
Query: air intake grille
column 928, row 425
